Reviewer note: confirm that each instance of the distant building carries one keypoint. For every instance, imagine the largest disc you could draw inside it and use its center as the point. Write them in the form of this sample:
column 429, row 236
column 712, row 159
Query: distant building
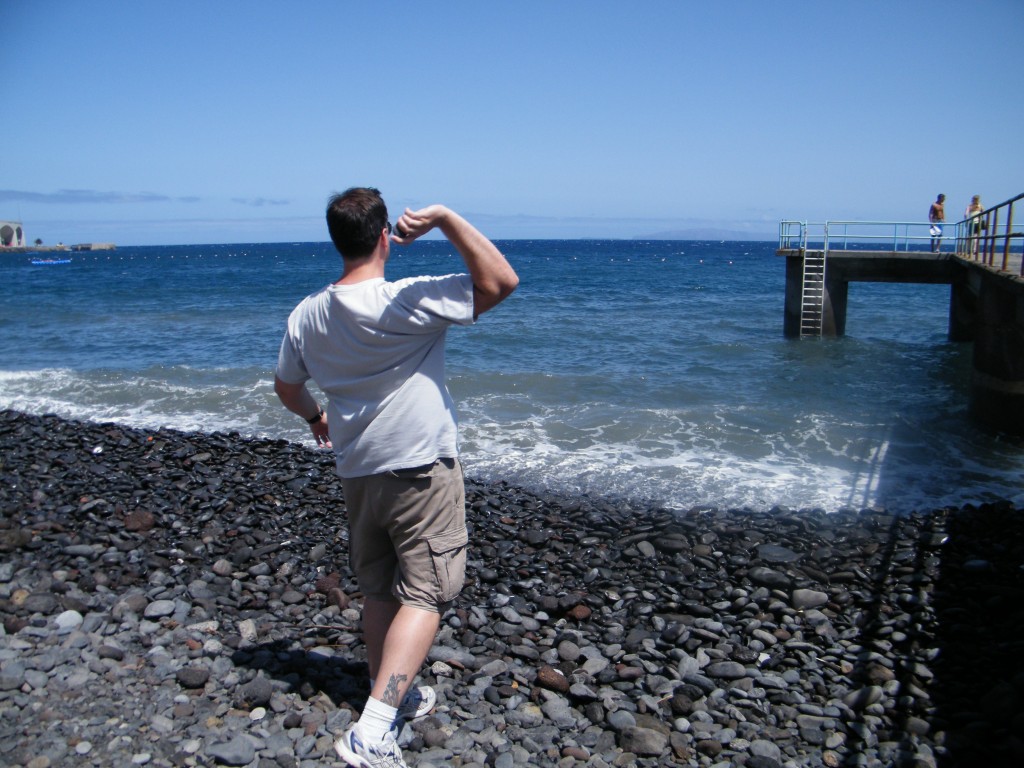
column 11, row 234
column 94, row 247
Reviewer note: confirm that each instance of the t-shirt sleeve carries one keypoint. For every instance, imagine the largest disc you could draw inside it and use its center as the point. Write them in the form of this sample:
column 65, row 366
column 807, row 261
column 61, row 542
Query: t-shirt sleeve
column 290, row 367
column 435, row 301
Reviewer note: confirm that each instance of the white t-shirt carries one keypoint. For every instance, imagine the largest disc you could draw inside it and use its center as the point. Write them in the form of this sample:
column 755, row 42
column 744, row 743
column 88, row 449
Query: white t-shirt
column 376, row 349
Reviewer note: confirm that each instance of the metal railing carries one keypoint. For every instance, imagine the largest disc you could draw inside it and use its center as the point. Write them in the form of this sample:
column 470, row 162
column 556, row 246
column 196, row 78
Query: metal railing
column 793, row 235
column 858, row 235
column 990, row 238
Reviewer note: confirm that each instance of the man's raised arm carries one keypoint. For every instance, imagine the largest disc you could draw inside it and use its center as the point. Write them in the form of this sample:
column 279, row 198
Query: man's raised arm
column 493, row 277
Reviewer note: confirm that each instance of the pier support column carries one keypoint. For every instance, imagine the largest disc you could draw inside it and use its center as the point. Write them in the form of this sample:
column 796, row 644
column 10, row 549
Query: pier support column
column 963, row 312
column 833, row 318
column 997, row 382
column 794, row 292
column 833, row 312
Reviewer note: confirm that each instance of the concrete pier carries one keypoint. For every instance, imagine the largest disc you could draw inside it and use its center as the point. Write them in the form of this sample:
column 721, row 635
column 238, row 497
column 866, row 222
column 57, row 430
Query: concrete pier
column 845, row 267
column 986, row 307
column 992, row 304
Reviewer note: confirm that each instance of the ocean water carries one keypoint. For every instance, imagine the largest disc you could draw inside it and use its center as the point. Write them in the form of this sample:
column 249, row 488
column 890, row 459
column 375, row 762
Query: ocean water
column 653, row 371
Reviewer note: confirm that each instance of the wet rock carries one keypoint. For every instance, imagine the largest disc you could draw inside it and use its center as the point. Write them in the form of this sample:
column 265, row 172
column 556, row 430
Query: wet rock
column 808, row 598
column 773, row 553
column 726, row 670
column 769, row 577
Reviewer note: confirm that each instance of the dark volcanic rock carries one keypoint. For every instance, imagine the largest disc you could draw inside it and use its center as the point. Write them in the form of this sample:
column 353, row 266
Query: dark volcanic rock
column 174, row 599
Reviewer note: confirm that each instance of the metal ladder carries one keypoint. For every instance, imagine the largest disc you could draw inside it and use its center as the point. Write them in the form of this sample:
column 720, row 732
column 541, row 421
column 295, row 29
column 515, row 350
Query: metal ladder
column 812, row 299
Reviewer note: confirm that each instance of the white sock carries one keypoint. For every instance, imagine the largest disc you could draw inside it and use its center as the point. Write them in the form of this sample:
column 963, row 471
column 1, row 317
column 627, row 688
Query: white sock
column 376, row 720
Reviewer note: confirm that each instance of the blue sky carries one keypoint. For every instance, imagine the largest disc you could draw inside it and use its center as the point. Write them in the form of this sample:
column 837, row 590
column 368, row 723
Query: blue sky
column 211, row 122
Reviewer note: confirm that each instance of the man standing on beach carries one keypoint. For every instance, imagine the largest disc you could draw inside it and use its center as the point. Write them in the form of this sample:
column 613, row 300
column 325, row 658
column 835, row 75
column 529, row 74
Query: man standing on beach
column 376, row 350
column 937, row 215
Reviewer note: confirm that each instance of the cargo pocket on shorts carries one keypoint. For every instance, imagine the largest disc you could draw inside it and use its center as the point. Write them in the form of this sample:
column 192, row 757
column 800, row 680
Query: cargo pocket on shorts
column 448, row 553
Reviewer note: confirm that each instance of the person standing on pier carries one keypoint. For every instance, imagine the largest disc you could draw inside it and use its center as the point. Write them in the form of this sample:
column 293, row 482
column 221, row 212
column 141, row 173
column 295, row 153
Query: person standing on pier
column 937, row 215
column 376, row 349
column 975, row 222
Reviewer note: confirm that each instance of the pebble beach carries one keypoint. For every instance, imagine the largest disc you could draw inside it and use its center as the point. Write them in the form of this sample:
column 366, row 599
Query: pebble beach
column 184, row 599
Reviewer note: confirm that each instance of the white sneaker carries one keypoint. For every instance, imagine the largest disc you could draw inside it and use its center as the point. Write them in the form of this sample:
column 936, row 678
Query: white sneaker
column 418, row 702
column 354, row 751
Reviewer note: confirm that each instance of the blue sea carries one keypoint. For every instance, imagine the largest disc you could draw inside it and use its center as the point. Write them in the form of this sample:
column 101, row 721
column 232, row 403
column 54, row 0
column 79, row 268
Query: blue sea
column 646, row 371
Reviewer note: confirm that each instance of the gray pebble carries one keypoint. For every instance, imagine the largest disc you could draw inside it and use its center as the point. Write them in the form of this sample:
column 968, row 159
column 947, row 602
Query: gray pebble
column 238, row 751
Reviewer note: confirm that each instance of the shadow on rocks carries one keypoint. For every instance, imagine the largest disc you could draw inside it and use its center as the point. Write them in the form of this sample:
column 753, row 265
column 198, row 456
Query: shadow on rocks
column 308, row 673
column 978, row 689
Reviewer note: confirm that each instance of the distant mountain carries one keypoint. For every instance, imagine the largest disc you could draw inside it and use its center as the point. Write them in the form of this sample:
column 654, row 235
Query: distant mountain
column 708, row 234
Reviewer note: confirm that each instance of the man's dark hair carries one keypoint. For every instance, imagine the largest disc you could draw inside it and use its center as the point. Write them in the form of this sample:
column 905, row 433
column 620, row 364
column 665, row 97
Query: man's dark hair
column 355, row 219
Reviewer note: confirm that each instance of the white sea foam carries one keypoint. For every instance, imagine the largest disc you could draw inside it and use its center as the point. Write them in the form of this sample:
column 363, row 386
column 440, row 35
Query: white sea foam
column 658, row 456
column 645, row 371
column 653, row 455
column 168, row 398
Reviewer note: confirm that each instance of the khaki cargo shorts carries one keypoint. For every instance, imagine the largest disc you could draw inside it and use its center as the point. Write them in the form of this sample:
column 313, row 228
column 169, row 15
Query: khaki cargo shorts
column 407, row 534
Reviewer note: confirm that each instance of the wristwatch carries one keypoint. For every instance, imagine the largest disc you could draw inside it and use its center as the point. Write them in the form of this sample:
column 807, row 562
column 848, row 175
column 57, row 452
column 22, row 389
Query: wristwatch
column 315, row 419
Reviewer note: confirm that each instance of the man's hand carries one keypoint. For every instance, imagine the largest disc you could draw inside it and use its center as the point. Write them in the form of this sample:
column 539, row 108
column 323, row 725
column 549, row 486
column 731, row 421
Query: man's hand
column 321, row 434
column 297, row 399
column 412, row 224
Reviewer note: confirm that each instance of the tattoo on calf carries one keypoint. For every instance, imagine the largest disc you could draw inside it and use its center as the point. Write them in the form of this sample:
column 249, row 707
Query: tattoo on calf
column 391, row 691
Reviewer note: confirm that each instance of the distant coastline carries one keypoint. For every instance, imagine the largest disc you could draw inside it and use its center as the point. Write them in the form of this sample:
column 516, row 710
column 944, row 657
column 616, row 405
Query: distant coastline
column 709, row 234
column 59, row 248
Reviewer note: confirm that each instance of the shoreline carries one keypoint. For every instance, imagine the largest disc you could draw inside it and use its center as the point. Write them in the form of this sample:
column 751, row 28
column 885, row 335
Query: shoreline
column 175, row 598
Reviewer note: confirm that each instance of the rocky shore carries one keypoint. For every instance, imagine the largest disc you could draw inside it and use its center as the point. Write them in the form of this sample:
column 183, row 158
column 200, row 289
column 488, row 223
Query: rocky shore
column 174, row 599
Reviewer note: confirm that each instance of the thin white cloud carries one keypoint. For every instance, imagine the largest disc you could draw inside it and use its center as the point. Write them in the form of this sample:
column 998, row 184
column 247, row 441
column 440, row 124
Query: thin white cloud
column 89, row 196
column 258, row 202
